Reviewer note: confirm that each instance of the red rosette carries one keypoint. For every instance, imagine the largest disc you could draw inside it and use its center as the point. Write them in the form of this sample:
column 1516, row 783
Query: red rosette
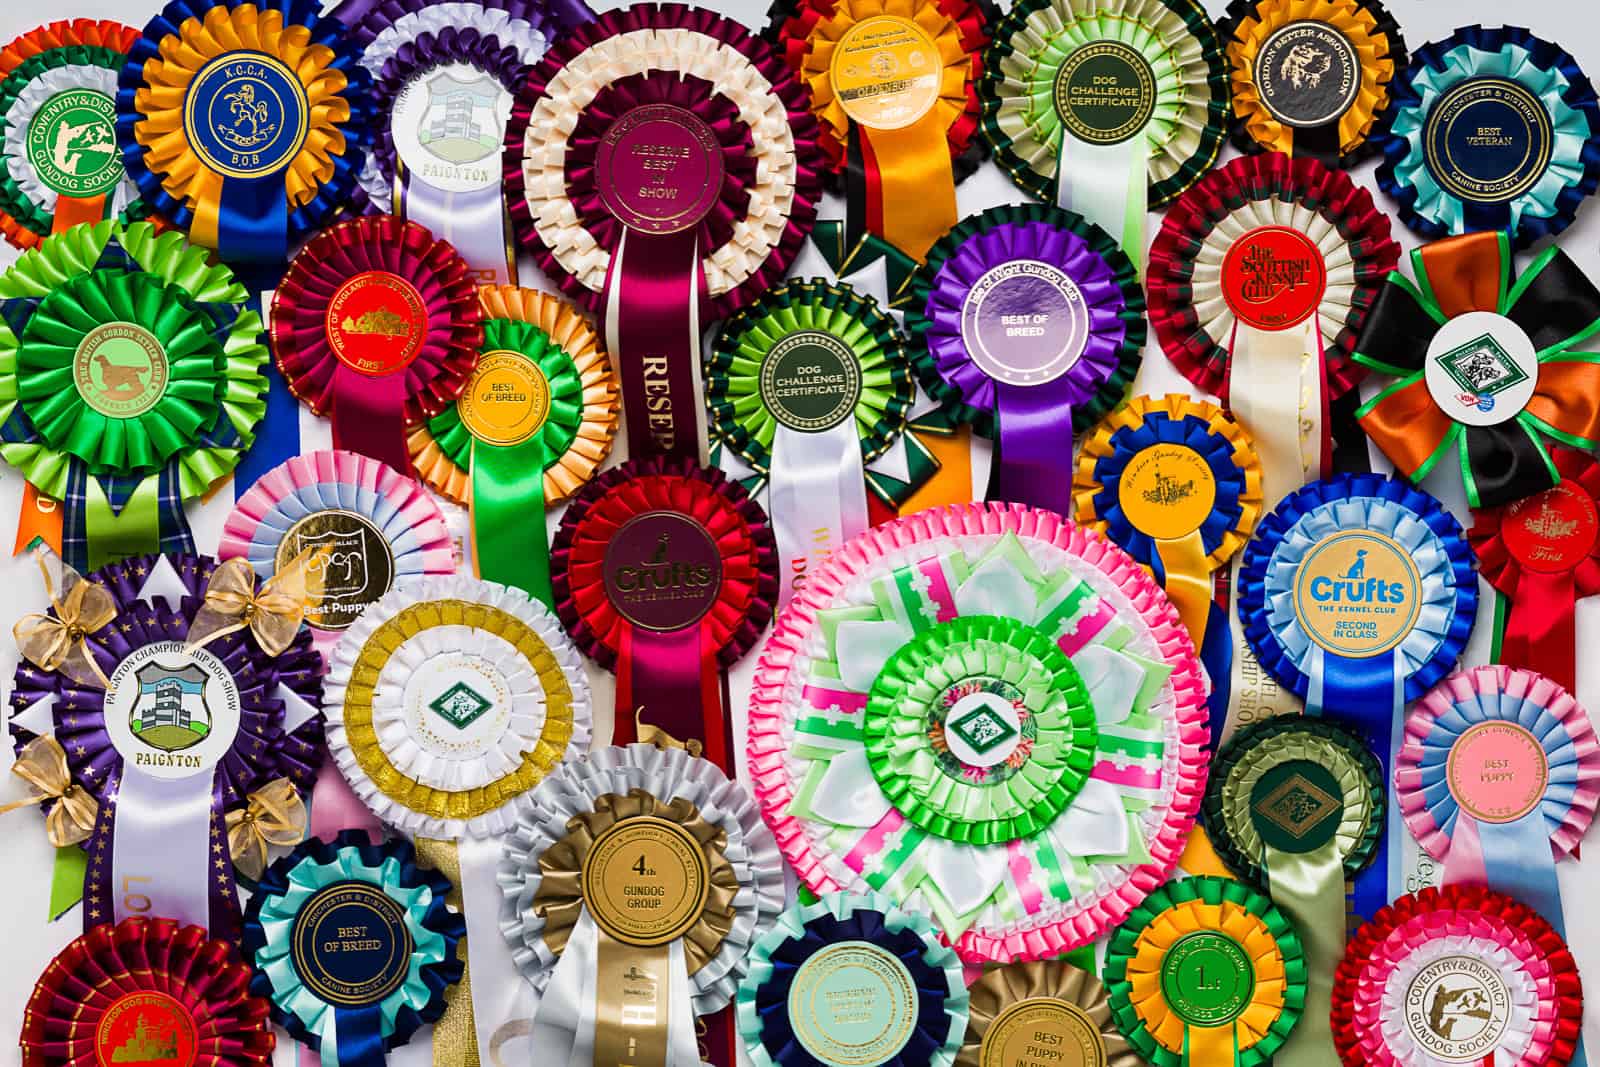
column 96, row 33
column 142, row 990
column 1543, row 553
column 666, row 572
column 377, row 326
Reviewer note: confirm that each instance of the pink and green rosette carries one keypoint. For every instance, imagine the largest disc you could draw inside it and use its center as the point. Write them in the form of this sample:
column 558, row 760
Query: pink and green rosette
column 985, row 714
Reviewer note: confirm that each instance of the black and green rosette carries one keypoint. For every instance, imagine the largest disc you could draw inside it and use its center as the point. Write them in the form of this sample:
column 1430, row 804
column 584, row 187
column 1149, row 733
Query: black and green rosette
column 807, row 385
column 130, row 381
column 1295, row 805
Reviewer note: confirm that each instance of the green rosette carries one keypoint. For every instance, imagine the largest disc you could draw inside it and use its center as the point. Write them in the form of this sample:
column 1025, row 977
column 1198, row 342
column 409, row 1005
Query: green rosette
column 948, row 698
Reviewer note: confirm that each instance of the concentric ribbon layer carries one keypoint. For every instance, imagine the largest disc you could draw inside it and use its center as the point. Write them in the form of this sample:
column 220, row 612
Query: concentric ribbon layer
column 1046, row 1004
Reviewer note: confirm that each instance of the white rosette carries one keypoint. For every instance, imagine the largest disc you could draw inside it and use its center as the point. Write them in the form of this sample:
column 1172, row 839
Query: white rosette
column 20, row 117
column 1514, row 1020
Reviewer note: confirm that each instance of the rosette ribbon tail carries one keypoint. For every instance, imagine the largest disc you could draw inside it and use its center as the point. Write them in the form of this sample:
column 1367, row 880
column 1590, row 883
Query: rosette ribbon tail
column 1308, row 887
column 278, row 432
column 652, row 315
column 1541, row 627
column 908, row 186
column 674, row 679
column 817, row 491
column 369, row 415
column 106, row 520
column 1108, row 185
column 1286, row 414
column 473, row 221
column 1034, row 461
column 507, row 506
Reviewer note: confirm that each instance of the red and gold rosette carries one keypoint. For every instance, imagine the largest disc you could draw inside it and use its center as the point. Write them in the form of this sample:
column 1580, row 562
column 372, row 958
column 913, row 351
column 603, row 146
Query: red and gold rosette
column 376, row 326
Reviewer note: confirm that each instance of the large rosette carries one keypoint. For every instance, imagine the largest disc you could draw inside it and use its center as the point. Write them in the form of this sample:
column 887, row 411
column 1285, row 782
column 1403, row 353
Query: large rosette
column 1489, row 365
column 1530, row 177
column 376, row 326
column 986, row 714
column 130, row 382
column 569, row 879
column 1011, row 1005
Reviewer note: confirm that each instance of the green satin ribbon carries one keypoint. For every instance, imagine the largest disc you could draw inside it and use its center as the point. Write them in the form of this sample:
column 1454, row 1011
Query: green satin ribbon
column 1308, row 887
column 134, row 531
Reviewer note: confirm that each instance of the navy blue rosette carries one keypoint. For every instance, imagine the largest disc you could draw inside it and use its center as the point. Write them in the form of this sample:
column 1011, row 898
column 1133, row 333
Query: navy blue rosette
column 356, row 1004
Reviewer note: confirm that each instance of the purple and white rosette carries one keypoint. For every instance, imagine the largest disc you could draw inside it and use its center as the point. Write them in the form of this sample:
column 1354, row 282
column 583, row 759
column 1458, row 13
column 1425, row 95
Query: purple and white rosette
column 1028, row 319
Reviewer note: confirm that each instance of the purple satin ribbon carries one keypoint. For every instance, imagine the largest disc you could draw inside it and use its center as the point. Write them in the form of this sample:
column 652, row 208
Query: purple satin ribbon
column 651, row 301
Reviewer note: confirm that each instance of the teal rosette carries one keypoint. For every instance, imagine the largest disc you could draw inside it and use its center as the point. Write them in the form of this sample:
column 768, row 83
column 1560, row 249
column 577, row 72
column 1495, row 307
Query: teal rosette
column 367, row 996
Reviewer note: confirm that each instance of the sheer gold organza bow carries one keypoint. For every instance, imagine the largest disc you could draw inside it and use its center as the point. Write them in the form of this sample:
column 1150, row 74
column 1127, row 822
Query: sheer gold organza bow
column 273, row 614
column 272, row 815
column 42, row 763
column 59, row 642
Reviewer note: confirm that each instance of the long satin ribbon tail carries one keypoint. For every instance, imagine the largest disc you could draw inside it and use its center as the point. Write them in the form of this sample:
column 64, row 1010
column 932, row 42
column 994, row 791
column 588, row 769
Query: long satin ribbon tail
column 1309, row 888
column 1108, row 185
column 818, row 497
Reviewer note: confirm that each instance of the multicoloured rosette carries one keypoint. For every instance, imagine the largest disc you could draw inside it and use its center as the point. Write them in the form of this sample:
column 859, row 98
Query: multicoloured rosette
column 909, row 1004
column 353, row 998
column 1312, row 79
column 1358, row 594
column 807, row 385
column 244, row 122
column 1066, row 1008
column 130, row 382
column 1022, row 384
column 666, row 573
column 988, row 715
column 1106, row 108
column 1529, row 178
column 377, row 326
column 535, row 420
column 1457, row 975
column 1263, row 273
column 571, row 878
column 448, row 701
column 59, row 163
column 656, row 252
column 1488, row 364
column 1542, row 555
column 378, row 526
column 1206, row 972
column 1296, row 805
column 124, row 993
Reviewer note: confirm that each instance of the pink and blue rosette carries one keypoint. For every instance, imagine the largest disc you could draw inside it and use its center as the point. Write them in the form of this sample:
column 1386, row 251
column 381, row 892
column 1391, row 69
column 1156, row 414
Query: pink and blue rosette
column 1029, row 420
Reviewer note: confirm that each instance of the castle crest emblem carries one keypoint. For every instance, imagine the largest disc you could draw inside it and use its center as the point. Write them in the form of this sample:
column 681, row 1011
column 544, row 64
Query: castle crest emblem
column 170, row 712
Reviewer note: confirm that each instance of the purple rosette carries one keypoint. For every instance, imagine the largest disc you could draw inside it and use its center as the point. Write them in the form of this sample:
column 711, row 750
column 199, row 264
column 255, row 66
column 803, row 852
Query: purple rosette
column 367, row 19
column 1027, row 319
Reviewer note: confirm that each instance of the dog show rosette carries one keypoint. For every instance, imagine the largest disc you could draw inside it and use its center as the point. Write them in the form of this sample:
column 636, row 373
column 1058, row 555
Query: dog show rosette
column 907, row 1000
column 1105, row 107
column 143, row 990
column 1529, row 174
column 377, row 327
column 1021, row 1012
column 633, row 890
column 1023, row 383
column 1490, row 364
column 1457, row 975
column 534, row 421
column 661, row 165
column 1206, row 972
column 987, row 715
column 807, row 385
column 353, row 995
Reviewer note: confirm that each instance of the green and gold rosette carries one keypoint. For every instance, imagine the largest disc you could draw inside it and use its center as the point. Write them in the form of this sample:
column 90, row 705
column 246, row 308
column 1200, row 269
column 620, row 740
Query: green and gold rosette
column 1019, row 1009
column 1296, row 805
column 130, row 381
column 536, row 419
column 1206, row 972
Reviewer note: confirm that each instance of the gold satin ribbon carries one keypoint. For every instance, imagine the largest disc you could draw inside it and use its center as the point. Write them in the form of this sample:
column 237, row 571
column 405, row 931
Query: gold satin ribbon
column 1188, row 570
column 273, row 615
column 42, row 764
column 915, row 182
column 60, row 642
column 272, row 815
column 455, row 1035
column 633, row 1001
column 1308, row 887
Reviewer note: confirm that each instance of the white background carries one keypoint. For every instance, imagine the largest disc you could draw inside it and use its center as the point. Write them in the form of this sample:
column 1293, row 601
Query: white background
column 30, row 940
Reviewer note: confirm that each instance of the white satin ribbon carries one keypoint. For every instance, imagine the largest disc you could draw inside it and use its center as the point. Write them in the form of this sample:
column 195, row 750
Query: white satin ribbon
column 497, row 995
column 818, row 498
column 474, row 222
column 161, row 849
column 1108, row 184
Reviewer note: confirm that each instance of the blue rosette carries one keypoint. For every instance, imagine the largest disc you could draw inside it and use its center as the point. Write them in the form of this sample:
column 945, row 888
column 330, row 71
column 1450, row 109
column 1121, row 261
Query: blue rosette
column 370, row 995
column 864, row 940
column 1529, row 178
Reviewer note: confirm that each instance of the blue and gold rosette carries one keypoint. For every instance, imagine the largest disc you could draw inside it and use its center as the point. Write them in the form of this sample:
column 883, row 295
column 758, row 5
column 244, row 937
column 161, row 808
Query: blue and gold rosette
column 353, row 999
column 1528, row 176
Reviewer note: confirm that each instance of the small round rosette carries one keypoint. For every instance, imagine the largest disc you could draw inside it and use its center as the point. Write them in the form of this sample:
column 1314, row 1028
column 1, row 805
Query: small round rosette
column 286, row 120
column 863, row 939
column 1456, row 975
column 136, row 990
column 1312, row 78
column 1069, row 1007
column 1530, row 179
column 987, row 715
column 380, row 526
column 1206, row 970
column 59, row 163
column 384, row 986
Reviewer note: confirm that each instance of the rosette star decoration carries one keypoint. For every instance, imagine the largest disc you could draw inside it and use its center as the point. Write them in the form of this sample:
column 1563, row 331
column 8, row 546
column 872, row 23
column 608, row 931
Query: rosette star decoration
column 1490, row 364
column 1023, row 384
column 657, row 251
column 986, row 715
column 130, row 382
column 376, row 326
column 1046, row 1004
column 448, row 701
column 1105, row 108
column 1526, row 180
column 1206, row 972
column 533, row 423
column 353, row 999
column 59, row 163
column 1457, row 975
column 571, row 881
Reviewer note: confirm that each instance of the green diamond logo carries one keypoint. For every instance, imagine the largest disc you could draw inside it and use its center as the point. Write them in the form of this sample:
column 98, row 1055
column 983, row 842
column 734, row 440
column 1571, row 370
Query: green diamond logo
column 460, row 705
column 1297, row 806
column 1481, row 367
column 982, row 729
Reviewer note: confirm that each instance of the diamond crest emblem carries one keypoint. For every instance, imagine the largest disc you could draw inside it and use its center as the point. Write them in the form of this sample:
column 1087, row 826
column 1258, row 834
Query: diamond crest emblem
column 1298, row 805
column 982, row 729
column 1482, row 367
column 460, row 705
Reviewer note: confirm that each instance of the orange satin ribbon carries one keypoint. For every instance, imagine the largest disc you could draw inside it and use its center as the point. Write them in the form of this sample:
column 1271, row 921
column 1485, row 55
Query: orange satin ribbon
column 1406, row 422
column 1464, row 272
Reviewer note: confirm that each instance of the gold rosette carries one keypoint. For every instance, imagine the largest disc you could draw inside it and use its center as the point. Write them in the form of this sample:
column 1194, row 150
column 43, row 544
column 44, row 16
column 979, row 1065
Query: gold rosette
column 1010, row 1005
